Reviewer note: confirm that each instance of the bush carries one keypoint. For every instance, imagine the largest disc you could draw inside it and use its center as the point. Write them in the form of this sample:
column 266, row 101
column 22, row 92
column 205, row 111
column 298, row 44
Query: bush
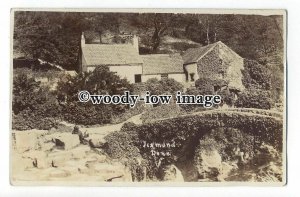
column 256, row 75
column 137, row 109
column 160, row 112
column 100, row 81
column 33, row 106
column 87, row 114
column 121, row 145
column 225, row 140
column 27, row 119
column 255, row 98
column 158, row 87
column 207, row 86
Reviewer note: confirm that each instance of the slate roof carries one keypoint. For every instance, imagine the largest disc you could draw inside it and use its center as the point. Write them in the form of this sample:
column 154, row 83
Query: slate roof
column 162, row 64
column 193, row 55
column 110, row 54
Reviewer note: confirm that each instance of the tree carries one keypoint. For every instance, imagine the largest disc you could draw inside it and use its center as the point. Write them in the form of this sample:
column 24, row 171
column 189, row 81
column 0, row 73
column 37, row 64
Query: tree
column 26, row 93
column 105, row 22
column 256, row 75
column 255, row 98
column 98, row 82
column 155, row 27
column 33, row 106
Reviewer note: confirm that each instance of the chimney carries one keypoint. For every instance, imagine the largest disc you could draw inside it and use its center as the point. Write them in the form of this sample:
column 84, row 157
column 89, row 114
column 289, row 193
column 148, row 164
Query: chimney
column 82, row 40
column 135, row 42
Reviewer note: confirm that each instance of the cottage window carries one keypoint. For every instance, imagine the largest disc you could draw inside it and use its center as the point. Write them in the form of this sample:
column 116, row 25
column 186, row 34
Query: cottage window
column 164, row 76
column 137, row 78
column 192, row 75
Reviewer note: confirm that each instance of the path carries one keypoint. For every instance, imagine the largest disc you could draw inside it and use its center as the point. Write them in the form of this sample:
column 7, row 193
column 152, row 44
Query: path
column 112, row 127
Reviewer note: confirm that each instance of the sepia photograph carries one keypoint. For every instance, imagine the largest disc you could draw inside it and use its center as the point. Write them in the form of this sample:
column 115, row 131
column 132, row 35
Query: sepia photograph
column 171, row 97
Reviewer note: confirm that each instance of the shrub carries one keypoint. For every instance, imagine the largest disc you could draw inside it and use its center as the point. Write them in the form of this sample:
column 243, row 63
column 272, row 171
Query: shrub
column 121, row 145
column 256, row 75
column 27, row 119
column 100, row 81
column 225, row 140
column 255, row 98
column 87, row 114
column 209, row 86
column 33, row 106
column 158, row 87
column 241, row 128
column 160, row 112
column 137, row 109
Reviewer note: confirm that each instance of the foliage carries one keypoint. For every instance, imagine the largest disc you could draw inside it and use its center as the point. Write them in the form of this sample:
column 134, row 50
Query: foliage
column 25, row 91
column 55, row 36
column 100, row 81
column 192, row 107
column 184, row 127
column 207, row 86
column 183, row 46
column 121, row 146
column 256, row 75
column 158, row 87
column 160, row 112
column 225, row 140
column 33, row 106
column 28, row 119
column 228, row 129
column 255, row 98
column 52, row 37
column 137, row 109
column 87, row 114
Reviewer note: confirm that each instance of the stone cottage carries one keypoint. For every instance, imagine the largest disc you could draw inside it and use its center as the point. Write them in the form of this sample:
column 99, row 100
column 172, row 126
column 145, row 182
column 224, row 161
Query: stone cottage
column 214, row 61
column 125, row 60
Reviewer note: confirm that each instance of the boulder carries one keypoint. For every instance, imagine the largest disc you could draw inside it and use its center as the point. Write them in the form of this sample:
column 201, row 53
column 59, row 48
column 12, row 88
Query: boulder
column 113, row 172
column 20, row 163
column 65, row 141
column 171, row 173
column 80, row 151
column 26, row 140
column 59, row 157
column 209, row 164
column 96, row 141
column 38, row 158
column 76, row 166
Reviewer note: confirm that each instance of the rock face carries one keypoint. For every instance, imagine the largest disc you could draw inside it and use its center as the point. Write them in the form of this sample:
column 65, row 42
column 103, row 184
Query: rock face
column 24, row 141
column 96, row 141
column 47, row 156
column 209, row 164
column 171, row 173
